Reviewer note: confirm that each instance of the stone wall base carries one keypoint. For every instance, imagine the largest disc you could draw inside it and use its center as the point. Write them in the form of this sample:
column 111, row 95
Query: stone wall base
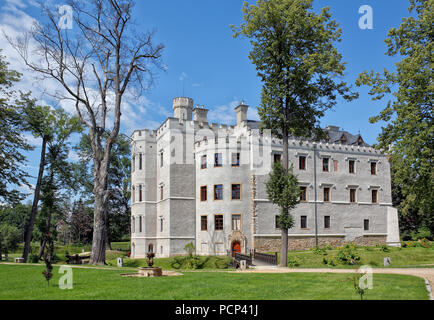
column 272, row 244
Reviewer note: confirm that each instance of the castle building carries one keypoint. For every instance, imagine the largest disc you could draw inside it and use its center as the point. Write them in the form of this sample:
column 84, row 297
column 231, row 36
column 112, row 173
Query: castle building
column 200, row 182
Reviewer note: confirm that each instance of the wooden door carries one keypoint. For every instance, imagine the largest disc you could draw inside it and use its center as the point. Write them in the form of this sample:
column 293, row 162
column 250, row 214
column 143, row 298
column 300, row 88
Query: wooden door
column 236, row 247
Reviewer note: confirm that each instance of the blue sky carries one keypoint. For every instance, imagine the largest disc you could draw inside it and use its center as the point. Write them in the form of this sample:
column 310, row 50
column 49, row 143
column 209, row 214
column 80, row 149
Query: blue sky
column 213, row 68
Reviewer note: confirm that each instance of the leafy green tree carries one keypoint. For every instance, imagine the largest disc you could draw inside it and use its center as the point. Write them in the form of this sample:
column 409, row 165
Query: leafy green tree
column 293, row 50
column 54, row 127
column 283, row 190
column 9, row 238
column 16, row 216
column 12, row 142
column 409, row 132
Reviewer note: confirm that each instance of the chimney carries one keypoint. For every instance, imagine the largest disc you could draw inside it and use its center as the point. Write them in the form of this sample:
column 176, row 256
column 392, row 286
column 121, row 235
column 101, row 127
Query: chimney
column 200, row 114
column 241, row 113
column 332, row 128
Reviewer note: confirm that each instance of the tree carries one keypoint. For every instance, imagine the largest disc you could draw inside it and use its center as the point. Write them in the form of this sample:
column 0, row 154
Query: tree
column 293, row 50
column 12, row 141
column 283, row 190
column 118, row 182
column 81, row 227
column 55, row 127
column 9, row 238
column 96, row 63
column 409, row 132
column 16, row 216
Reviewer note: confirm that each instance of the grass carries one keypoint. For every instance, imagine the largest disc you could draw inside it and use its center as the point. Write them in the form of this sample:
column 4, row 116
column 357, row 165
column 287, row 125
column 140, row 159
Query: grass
column 25, row 282
column 373, row 256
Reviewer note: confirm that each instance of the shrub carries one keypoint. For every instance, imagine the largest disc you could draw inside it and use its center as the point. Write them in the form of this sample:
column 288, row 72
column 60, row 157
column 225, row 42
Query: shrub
column 329, row 247
column 425, row 243
column 348, row 256
column 329, row 262
column 318, row 250
column 369, row 248
column 222, row 263
column 33, row 258
column 384, row 248
column 422, row 233
column 293, row 262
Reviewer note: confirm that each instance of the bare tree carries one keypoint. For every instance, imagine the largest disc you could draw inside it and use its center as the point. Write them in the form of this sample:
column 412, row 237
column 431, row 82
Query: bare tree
column 97, row 63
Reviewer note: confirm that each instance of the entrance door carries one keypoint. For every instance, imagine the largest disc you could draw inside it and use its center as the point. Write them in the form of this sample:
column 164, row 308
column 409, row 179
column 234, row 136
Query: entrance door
column 236, row 247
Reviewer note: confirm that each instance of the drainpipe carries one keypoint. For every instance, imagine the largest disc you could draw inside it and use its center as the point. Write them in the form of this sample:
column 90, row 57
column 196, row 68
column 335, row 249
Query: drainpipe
column 314, row 182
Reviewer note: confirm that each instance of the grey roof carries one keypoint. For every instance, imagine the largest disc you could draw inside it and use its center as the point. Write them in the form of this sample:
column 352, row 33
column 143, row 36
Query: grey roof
column 334, row 135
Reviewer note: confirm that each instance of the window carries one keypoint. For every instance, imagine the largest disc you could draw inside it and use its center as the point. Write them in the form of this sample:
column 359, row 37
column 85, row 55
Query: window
column 134, row 225
column 373, row 168
column 326, row 194
column 303, row 195
column 351, row 166
column 236, row 192
column 204, row 223
column 218, row 222
column 366, row 224
column 140, row 161
column 140, row 223
column 335, row 165
column 161, row 193
column 277, row 158
column 161, row 159
column 218, row 160
column 134, row 163
column 325, row 164
column 161, row 225
column 235, row 159
column 374, row 196
column 151, row 248
column 134, row 194
column 303, row 222
column 326, row 222
column 140, row 194
column 276, row 222
column 218, row 192
column 302, row 163
column 352, row 195
column 203, row 193
column 236, row 222
column 203, row 162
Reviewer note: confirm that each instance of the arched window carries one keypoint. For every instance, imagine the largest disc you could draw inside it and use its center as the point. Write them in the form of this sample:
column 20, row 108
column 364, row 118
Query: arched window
column 151, row 248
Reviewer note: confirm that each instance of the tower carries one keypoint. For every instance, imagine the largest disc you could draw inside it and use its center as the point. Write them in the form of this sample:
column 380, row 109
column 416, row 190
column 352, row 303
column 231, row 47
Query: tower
column 183, row 108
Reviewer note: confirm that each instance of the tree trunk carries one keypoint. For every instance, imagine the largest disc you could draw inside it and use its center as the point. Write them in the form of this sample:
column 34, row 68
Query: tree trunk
column 41, row 249
column 107, row 238
column 284, row 240
column 97, row 256
column 0, row 254
column 29, row 227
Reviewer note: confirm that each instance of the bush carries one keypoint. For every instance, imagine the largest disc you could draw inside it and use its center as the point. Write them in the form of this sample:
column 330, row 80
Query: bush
column 422, row 233
column 348, row 256
column 293, row 262
column 318, row 250
column 329, row 262
column 384, row 248
column 33, row 258
column 188, row 262
column 222, row 263
column 425, row 243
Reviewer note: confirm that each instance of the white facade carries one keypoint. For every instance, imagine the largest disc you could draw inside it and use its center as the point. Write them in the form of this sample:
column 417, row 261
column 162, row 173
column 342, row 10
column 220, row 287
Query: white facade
column 169, row 178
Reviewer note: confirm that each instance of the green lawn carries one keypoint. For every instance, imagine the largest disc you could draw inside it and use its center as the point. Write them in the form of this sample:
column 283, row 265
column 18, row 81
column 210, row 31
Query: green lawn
column 373, row 256
column 26, row 282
